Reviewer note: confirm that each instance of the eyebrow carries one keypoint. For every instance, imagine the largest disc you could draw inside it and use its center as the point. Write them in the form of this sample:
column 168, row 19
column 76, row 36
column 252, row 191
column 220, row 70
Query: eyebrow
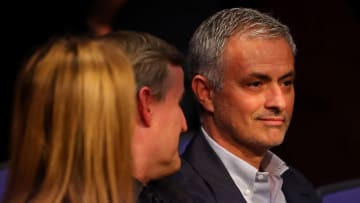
column 288, row 74
column 267, row 77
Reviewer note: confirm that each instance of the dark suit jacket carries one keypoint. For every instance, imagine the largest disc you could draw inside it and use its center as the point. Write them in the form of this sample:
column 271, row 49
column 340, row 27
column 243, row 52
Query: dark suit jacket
column 207, row 180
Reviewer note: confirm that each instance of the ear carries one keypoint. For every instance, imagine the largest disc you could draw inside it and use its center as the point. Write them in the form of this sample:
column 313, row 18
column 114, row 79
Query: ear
column 203, row 92
column 144, row 102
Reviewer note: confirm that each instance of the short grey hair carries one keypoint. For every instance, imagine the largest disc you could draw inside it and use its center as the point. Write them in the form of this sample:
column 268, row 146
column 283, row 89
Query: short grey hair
column 210, row 38
column 149, row 56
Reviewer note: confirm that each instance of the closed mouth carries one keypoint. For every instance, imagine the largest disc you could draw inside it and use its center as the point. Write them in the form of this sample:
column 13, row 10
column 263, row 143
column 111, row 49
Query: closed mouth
column 273, row 121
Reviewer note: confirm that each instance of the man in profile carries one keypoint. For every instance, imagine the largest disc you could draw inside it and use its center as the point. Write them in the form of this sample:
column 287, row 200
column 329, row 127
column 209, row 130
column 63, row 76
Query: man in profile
column 160, row 120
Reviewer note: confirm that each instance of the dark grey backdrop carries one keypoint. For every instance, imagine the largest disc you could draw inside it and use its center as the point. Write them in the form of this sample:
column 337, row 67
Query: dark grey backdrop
column 324, row 138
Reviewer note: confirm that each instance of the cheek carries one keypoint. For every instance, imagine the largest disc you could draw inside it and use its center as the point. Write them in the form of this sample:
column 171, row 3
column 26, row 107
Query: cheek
column 173, row 123
column 247, row 106
column 179, row 116
column 290, row 103
column 240, row 98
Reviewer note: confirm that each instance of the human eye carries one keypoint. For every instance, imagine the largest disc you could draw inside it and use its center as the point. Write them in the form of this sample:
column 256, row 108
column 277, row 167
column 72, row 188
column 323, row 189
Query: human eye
column 183, row 101
column 287, row 85
column 288, row 82
column 254, row 84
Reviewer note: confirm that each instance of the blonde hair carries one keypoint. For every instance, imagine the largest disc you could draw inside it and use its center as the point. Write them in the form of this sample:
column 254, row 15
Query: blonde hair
column 72, row 125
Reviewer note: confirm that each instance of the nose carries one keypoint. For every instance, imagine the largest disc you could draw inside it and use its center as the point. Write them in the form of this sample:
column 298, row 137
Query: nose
column 184, row 126
column 275, row 99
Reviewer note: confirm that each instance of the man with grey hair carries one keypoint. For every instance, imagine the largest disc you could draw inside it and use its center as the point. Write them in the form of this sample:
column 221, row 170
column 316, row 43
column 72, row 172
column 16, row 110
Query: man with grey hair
column 242, row 66
column 159, row 81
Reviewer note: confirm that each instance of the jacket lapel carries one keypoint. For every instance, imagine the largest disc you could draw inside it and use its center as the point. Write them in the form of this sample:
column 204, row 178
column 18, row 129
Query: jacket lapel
column 208, row 165
column 297, row 189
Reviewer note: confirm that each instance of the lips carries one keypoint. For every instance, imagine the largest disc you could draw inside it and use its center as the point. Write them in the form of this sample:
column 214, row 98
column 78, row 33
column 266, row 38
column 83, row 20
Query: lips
column 272, row 121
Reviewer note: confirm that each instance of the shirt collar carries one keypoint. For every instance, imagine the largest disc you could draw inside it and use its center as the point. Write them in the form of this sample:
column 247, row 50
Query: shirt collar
column 242, row 172
column 273, row 164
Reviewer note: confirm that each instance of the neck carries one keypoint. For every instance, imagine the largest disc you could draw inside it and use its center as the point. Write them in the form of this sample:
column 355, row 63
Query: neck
column 141, row 169
column 251, row 154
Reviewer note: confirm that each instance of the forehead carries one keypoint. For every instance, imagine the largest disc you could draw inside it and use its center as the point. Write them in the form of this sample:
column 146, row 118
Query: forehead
column 258, row 54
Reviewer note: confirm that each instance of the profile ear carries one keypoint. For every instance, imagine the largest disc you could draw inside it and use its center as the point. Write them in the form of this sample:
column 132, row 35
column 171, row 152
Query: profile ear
column 203, row 92
column 144, row 105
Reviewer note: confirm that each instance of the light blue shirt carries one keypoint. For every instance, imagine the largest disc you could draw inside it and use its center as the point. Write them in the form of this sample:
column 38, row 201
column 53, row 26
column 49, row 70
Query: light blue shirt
column 255, row 186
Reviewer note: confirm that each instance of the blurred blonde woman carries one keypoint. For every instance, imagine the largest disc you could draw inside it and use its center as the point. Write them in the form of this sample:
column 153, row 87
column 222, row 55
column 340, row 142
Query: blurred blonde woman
column 72, row 125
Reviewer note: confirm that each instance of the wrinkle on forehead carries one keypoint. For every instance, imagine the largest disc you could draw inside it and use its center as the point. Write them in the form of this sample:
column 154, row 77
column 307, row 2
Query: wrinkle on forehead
column 249, row 55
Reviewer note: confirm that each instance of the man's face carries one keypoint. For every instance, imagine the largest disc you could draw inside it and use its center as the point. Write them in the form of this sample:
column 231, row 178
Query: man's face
column 169, row 122
column 254, row 107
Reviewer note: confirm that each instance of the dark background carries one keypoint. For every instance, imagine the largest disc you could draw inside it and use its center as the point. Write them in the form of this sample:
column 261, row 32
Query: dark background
column 323, row 140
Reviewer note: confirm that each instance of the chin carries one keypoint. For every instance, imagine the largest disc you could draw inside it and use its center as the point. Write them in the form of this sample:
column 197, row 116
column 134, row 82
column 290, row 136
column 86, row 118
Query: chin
column 270, row 142
column 172, row 165
column 275, row 135
column 275, row 142
column 177, row 163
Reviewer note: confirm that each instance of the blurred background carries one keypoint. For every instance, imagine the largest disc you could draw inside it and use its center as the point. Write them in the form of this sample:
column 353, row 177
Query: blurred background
column 323, row 140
